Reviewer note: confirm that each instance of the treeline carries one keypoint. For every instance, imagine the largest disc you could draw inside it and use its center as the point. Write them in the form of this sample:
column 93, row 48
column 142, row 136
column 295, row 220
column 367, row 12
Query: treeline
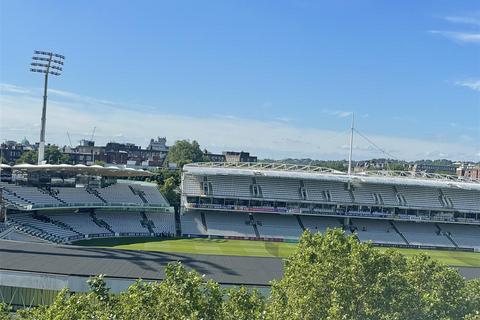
column 329, row 276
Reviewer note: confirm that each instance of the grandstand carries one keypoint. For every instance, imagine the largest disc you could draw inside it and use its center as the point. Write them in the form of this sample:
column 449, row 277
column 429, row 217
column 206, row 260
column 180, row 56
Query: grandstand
column 246, row 201
column 93, row 206
column 278, row 202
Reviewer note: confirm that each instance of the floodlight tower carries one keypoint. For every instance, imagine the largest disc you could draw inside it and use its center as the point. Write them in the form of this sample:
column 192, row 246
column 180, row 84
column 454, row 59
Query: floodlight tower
column 47, row 63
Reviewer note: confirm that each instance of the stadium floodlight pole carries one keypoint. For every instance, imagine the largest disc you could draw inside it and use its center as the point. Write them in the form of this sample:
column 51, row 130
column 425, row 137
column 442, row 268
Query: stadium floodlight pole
column 351, row 145
column 48, row 63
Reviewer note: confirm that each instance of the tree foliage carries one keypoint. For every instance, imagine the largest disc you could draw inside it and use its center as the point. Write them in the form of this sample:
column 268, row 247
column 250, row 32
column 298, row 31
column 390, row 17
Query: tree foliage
column 329, row 276
column 182, row 295
column 4, row 311
column 53, row 155
column 29, row 156
column 183, row 152
column 336, row 277
column 170, row 190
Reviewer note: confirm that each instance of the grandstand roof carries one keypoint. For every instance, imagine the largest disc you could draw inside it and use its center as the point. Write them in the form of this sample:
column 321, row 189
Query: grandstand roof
column 110, row 171
column 321, row 173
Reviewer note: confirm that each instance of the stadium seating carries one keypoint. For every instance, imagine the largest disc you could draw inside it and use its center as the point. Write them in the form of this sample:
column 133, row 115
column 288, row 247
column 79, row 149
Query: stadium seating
column 466, row 236
column 78, row 197
column 377, row 231
column 320, row 224
column 67, row 226
column 286, row 189
column 163, row 222
column 45, row 230
column 191, row 223
column 229, row 224
column 3, row 227
column 30, row 195
column 151, row 194
column 119, row 194
column 365, row 194
column 80, row 222
column 15, row 200
column 224, row 186
column 420, row 196
column 420, row 233
column 326, row 191
column 191, row 185
column 277, row 226
column 123, row 222
column 466, row 200
column 316, row 190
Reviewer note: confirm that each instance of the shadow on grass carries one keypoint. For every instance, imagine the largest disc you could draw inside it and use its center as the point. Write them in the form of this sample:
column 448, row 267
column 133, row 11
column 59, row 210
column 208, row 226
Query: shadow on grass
column 272, row 248
column 110, row 242
column 117, row 241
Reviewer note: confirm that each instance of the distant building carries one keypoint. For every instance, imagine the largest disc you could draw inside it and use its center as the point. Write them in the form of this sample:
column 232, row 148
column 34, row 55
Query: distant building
column 75, row 157
column 233, row 156
column 127, row 154
column 469, row 171
column 11, row 151
column 375, row 164
column 214, row 157
column 158, row 145
column 432, row 168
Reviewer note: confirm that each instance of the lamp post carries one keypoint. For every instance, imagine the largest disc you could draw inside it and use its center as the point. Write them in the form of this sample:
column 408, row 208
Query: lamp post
column 47, row 63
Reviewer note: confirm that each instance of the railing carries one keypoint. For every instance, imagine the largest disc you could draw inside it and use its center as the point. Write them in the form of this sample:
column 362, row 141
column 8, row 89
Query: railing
column 85, row 205
column 325, row 212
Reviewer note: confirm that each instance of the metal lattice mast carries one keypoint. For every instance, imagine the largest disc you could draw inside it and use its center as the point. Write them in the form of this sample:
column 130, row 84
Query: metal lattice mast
column 47, row 63
column 351, row 146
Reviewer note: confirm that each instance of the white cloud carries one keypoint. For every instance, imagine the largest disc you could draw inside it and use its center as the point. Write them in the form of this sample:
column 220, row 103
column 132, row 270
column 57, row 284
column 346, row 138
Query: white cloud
column 464, row 37
column 10, row 88
column 337, row 113
column 463, row 20
column 20, row 114
column 471, row 84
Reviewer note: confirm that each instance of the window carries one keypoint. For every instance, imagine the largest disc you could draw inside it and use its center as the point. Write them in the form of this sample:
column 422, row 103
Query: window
column 206, row 186
column 256, row 191
column 303, row 193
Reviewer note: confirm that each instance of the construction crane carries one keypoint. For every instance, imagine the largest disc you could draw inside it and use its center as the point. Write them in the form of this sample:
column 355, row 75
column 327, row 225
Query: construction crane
column 93, row 133
column 70, row 140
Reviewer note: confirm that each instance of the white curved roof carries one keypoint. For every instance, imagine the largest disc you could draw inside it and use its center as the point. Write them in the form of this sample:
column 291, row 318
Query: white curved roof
column 319, row 173
column 82, row 169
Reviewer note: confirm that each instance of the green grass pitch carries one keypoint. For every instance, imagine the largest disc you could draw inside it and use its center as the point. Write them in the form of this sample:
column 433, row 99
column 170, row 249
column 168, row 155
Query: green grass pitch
column 253, row 248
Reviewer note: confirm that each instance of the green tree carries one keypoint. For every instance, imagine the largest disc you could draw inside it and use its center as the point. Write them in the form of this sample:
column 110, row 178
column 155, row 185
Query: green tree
column 99, row 163
column 472, row 302
column 53, row 155
column 243, row 304
column 4, row 312
column 183, row 152
column 170, row 191
column 329, row 276
column 29, row 156
column 182, row 295
column 332, row 276
column 70, row 306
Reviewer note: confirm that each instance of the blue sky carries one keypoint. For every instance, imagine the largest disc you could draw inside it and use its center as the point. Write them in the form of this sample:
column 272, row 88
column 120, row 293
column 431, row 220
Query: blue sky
column 279, row 78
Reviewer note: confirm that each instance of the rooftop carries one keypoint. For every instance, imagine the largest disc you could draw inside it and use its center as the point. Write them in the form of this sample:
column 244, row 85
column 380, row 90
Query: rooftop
column 321, row 173
column 111, row 171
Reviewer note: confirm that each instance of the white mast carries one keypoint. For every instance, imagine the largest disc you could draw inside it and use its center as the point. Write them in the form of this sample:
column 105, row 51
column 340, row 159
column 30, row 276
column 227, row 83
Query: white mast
column 351, row 145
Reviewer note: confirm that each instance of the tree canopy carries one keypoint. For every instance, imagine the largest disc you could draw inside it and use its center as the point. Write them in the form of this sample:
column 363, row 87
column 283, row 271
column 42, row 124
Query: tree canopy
column 53, row 155
column 332, row 276
column 329, row 276
column 183, row 152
